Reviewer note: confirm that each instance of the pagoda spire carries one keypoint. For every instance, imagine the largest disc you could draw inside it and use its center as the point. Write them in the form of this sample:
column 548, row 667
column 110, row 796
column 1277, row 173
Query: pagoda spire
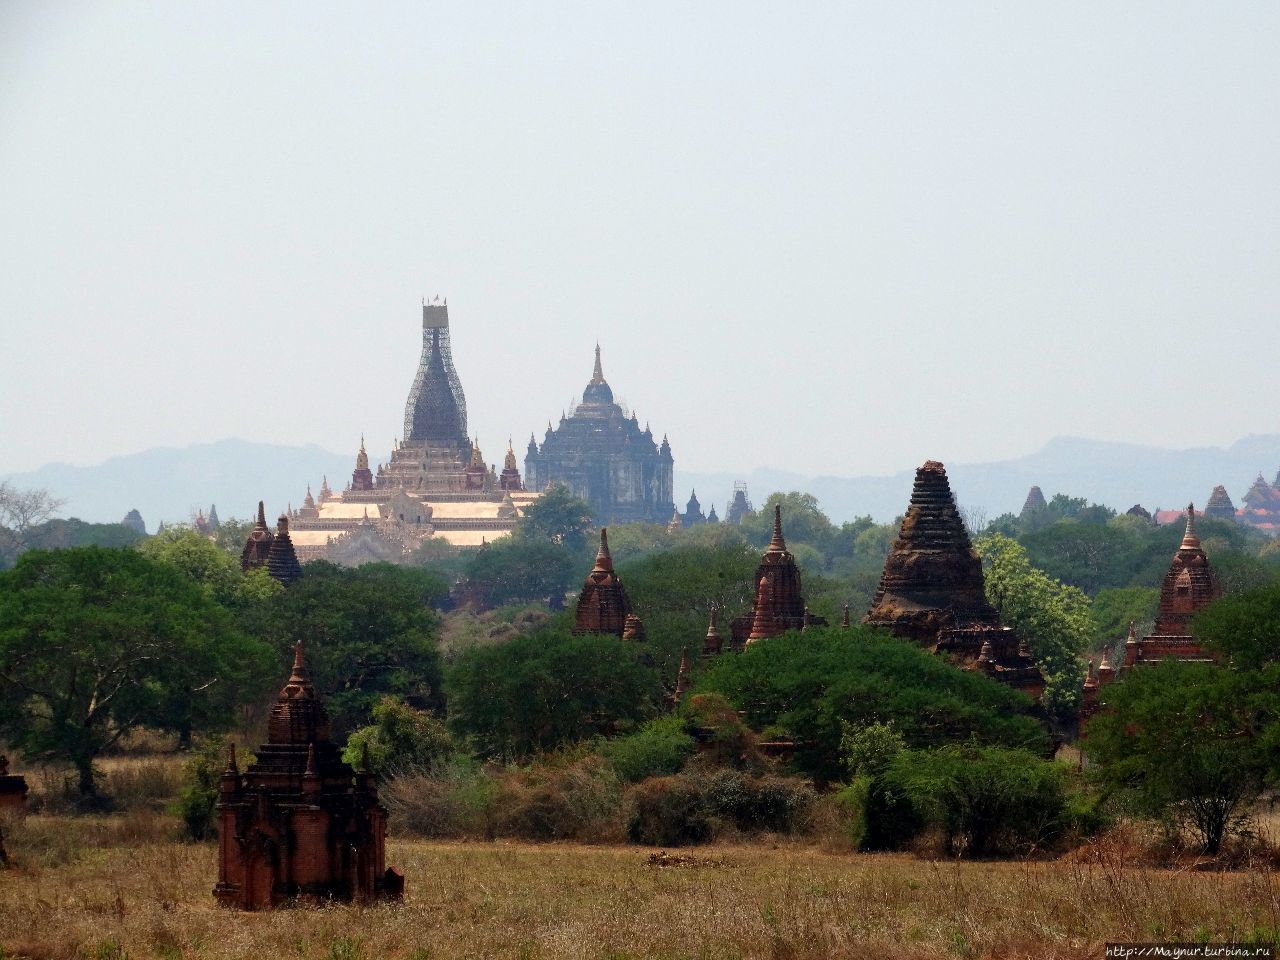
column 1190, row 541
column 713, row 642
column 763, row 624
column 597, row 374
column 777, row 544
column 604, row 559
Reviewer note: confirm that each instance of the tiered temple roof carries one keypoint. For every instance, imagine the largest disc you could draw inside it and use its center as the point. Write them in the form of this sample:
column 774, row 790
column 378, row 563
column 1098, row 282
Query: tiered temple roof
column 692, row 512
column 300, row 823
column 1034, row 503
column 1219, row 505
column 282, row 561
column 603, row 456
column 739, row 506
column 779, row 601
column 933, row 592
column 258, row 544
column 1188, row 587
column 603, row 605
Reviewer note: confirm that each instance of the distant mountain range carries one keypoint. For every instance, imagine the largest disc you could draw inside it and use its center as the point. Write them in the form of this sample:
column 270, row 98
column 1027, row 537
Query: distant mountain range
column 169, row 484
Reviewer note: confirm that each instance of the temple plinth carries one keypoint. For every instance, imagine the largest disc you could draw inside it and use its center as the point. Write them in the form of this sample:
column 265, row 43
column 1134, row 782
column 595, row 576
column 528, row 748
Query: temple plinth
column 933, row 593
column 299, row 823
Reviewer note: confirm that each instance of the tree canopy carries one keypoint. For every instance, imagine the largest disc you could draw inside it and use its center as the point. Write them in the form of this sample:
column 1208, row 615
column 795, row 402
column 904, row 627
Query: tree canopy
column 810, row 684
column 95, row 642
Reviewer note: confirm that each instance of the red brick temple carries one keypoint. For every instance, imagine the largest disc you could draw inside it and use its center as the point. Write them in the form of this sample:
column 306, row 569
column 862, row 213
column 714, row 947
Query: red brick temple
column 779, row 601
column 300, row 823
column 1188, row 587
column 603, row 605
column 933, row 592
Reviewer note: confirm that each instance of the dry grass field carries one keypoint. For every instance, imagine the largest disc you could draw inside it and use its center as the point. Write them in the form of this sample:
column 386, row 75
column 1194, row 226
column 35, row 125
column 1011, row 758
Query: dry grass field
column 105, row 888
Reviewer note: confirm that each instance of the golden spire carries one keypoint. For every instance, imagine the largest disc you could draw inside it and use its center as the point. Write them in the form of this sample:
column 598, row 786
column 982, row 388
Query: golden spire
column 597, row 375
column 510, row 462
column 477, row 458
column 1189, row 539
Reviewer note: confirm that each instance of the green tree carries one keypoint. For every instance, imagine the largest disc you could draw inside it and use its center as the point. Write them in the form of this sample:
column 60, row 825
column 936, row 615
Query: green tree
column 1189, row 743
column 811, row 684
column 1051, row 617
column 546, row 689
column 521, row 570
column 96, row 642
column 1114, row 608
column 369, row 631
column 558, row 517
column 983, row 799
column 674, row 592
column 802, row 521
column 1243, row 629
column 400, row 739
column 215, row 570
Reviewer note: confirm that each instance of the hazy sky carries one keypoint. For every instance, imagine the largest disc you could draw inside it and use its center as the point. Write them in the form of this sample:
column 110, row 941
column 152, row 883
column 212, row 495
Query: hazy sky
column 836, row 238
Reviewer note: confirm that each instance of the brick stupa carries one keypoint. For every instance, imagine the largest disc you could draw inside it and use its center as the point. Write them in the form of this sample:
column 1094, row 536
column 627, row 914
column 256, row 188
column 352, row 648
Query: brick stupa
column 932, row 590
column 1219, row 505
column 282, row 560
column 1188, row 587
column 603, row 605
column 779, row 598
column 300, row 823
column 258, row 544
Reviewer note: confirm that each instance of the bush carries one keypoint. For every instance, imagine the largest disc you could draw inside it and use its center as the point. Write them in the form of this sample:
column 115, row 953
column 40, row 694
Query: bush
column 576, row 800
column 753, row 804
column 982, row 800
column 667, row 812
column 201, row 777
column 659, row 748
column 695, row 806
column 456, row 799
column 400, row 739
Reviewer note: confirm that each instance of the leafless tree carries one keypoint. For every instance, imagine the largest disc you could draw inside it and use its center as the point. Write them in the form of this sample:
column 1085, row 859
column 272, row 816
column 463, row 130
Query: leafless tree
column 20, row 510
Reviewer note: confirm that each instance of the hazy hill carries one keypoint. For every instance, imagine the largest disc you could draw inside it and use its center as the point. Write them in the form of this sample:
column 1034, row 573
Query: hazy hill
column 168, row 484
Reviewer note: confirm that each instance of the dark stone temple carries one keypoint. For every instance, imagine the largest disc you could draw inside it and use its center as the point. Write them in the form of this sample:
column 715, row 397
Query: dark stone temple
column 933, row 593
column 603, row 456
column 603, row 605
column 693, row 514
column 739, row 506
column 1188, row 587
column 133, row 520
column 1219, row 505
column 779, row 598
column 282, row 561
column 299, row 823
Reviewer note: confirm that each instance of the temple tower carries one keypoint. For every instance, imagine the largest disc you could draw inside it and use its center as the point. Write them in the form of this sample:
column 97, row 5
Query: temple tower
column 783, row 598
column 362, row 476
column 1188, row 587
column 258, row 544
column 933, row 592
column 1219, row 505
column 603, row 605
column 436, row 409
column 300, row 823
column 510, row 479
column 282, row 561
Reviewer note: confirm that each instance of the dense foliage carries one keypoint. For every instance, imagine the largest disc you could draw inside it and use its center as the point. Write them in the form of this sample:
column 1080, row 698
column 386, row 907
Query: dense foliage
column 810, row 684
column 545, row 689
column 95, row 642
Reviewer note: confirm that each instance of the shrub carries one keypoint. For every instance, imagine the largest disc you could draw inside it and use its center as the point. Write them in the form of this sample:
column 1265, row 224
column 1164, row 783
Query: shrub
column 983, row 800
column 400, row 739
column 576, row 800
column 667, row 812
column 752, row 804
column 456, row 799
column 201, row 776
column 725, row 740
column 659, row 748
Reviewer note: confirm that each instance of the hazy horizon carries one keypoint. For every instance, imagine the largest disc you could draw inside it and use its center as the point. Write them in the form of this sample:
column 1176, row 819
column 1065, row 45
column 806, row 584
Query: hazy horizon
column 834, row 240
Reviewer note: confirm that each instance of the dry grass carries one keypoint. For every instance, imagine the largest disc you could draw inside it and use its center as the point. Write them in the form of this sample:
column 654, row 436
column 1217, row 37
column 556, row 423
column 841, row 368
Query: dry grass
column 123, row 894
